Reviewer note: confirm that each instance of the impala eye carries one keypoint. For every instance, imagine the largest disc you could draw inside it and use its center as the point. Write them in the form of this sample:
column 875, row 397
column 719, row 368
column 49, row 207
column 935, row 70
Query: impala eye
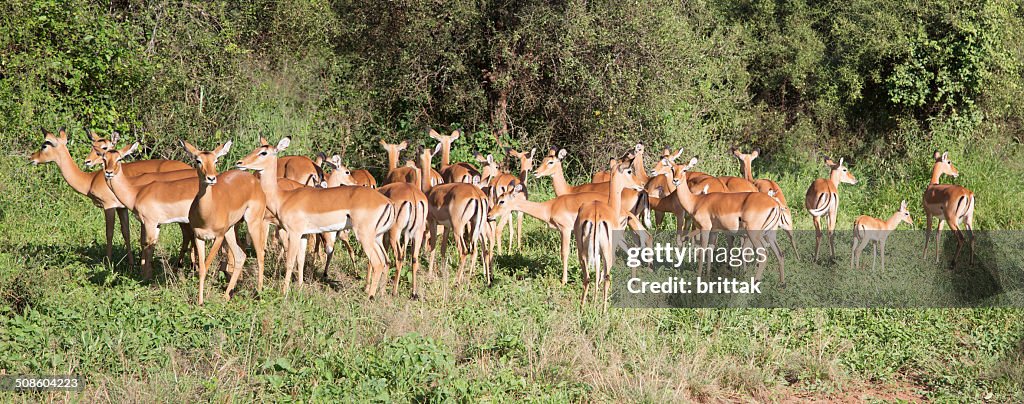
column 348, row 172
column 263, row 153
column 501, row 202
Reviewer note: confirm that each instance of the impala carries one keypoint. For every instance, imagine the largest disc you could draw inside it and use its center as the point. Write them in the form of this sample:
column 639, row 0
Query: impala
column 823, row 200
column 498, row 182
column 462, row 209
column 307, row 210
column 953, row 204
column 410, row 227
column 867, row 229
column 90, row 184
column 101, row 145
column 593, row 227
column 408, row 173
column 154, row 202
column 551, row 166
column 635, row 156
column 558, row 213
column 755, row 214
column 224, row 200
column 300, row 169
column 361, row 178
column 458, row 172
column 525, row 167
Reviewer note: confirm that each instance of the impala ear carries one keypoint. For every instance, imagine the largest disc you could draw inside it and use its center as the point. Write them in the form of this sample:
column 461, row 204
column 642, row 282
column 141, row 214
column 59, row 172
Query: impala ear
column 840, row 161
column 46, row 132
column 945, row 157
column 127, row 150
column 490, row 159
column 114, row 137
column 903, row 205
column 90, row 135
column 403, row 145
column 734, row 151
column 532, row 152
column 561, row 154
column 382, row 143
column 263, row 141
column 676, row 155
column 283, row 143
column 335, row 161
column 937, row 155
column 188, row 147
column 455, row 134
column 705, row 191
column 433, row 134
column 476, row 180
column 437, row 149
column 62, row 134
column 693, row 161
column 756, row 153
column 518, row 188
column 223, row 149
column 771, row 193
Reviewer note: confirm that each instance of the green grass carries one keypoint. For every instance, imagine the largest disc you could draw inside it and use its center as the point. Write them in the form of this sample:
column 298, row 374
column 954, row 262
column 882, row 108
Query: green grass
column 64, row 311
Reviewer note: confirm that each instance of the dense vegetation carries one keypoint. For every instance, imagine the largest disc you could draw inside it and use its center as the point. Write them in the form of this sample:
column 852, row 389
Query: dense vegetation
column 882, row 83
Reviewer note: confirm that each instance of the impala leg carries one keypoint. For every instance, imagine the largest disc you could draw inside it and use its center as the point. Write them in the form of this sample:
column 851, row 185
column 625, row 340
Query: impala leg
column 853, row 250
column 292, row 247
column 201, row 259
column 582, row 252
column 186, row 238
column 374, row 254
column 498, row 234
column 927, row 235
column 566, row 237
column 774, row 243
column 444, row 249
column 874, row 254
column 328, row 240
column 344, row 236
column 259, row 240
column 705, row 237
column 301, row 258
column 959, row 237
column 938, row 239
column 417, row 243
column 832, row 233
column 609, row 258
column 817, row 235
column 150, row 238
column 519, row 229
column 969, row 226
column 108, row 220
column 239, row 261
column 432, row 246
column 881, row 247
column 399, row 252
column 122, row 215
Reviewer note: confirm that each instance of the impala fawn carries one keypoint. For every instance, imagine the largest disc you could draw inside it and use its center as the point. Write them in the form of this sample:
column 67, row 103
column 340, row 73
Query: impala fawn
column 867, row 229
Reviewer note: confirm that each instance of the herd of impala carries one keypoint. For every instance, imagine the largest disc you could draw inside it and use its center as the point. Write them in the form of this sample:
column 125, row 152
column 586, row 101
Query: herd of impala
column 472, row 203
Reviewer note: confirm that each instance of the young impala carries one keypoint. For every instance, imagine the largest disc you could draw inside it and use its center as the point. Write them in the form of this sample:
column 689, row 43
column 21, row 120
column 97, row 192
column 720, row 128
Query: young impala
column 93, row 185
column 461, row 208
column 952, row 204
column 823, row 200
column 867, row 229
column 224, row 200
column 593, row 227
column 307, row 210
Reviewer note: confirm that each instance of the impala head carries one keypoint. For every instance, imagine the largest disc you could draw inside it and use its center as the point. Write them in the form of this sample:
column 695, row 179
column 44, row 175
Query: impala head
column 112, row 160
column 904, row 213
column 943, row 165
column 206, row 161
column 100, row 145
column 551, row 163
column 665, row 164
column 264, row 156
column 423, row 154
column 525, row 159
column 446, row 140
column 622, row 173
column 488, row 167
column 840, row 171
column 745, row 158
column 340, row 174
column 51, row 145
column 503, row 205
column 394, row 149
column 667, row 153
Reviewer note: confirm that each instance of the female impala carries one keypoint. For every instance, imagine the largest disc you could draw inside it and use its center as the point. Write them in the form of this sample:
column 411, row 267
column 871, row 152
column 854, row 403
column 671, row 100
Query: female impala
column 307, row 210
column 867, row 229
column 595, row 222
column 823, row 200
column 154, row 203
column 224, row 200
column 101, row 145
column 762, row 184
column 525, row 167
column 461, row 208
column 558, row 213
column 300, row 169
column 361, row 178
column 408, row 173
column 458, row 172
column 737, row 184
column 93, row 186
column 634, row 156
column 551, row 166
column 953, row 204
column 756, row 214
column 498, row 182
column 410, row 226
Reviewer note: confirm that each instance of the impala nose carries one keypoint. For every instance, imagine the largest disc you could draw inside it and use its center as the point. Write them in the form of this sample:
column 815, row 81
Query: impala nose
column 211, row 180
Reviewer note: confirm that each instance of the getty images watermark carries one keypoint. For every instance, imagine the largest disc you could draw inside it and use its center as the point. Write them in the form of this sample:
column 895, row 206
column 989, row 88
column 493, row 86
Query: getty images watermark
column 674, row 256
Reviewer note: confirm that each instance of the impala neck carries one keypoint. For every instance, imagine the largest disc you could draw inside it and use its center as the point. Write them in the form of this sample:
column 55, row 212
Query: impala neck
column 558, row 182
column 446, row 151
column 686, row 198
column 539, row 210
column 425, row 175
column 893, row 221
column 79, row 180
column 268, row 181
column 523, row 176
column 615, row 193
column 392, row 161
column 936, row 174
column 834, row 178
column 123, row 189
column 747, row 172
